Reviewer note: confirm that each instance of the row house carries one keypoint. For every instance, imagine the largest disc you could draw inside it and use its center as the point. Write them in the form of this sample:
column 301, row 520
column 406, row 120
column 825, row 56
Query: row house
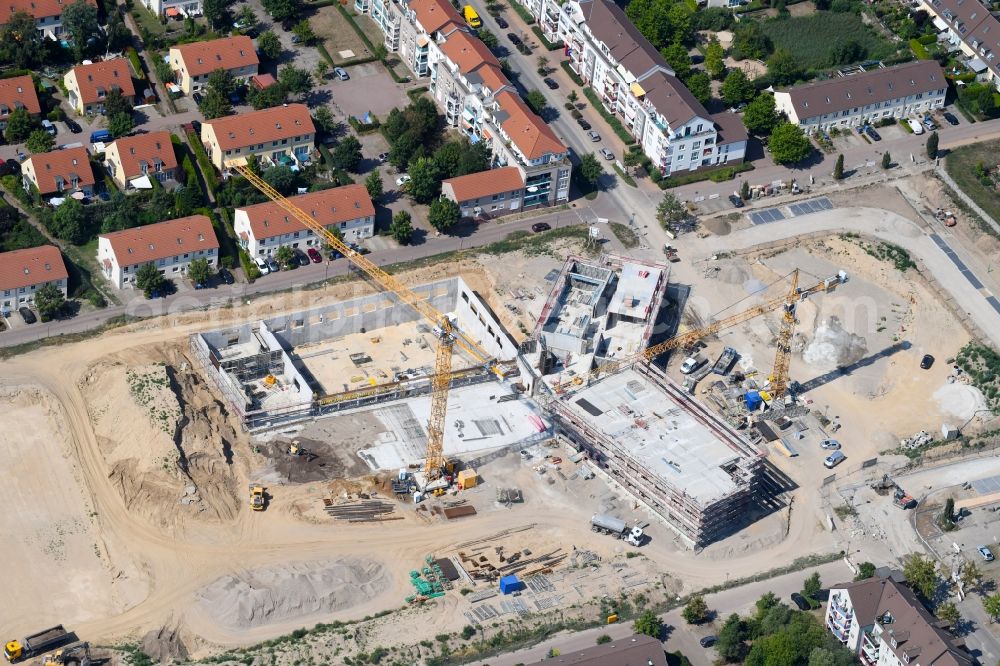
column 969, row 25
column 175, row 8
column 171, row 246
column 88, row 85
column 24, row 272
column 18, row 92
column 636, row 84
column 47, row 14
column 193, row 63
column 133, row 161
column 59, row 173
column 913, row 88
column 494, row 192
column 884, row 624
column 279, row 135
column 265, row 227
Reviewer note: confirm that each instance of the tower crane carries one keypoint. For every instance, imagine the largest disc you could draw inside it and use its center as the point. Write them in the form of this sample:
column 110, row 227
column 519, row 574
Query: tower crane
column 448, row 335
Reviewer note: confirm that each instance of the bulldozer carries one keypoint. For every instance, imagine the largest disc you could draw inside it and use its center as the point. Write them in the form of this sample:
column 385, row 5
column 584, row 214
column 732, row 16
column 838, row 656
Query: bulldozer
column 257, row 497
column 78, row 654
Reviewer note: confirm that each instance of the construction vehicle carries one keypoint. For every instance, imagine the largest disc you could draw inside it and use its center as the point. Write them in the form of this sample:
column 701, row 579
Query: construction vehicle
column 71, row 654
column 448, row 335
column 35, row 644
column 616, row 527
column 725, row 361
column 257, row 497
column 901, row 499
column 671, row 253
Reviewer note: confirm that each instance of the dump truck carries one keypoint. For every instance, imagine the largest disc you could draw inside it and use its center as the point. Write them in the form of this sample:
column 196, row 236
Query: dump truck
column 256, row 497
column 35, row 644
column 725, row 361
column 616, row 527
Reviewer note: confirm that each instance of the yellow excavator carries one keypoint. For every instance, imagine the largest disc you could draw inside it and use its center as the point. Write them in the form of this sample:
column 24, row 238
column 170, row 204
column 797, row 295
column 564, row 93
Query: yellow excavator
column 78, row 654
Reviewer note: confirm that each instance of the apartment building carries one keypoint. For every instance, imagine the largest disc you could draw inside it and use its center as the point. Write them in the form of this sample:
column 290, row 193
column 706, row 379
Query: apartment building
column 18, row 92
column 175, row 9
column 882, row 622
column 24, row 272
column 134, row 160
column 910, row 89
column 61, row 172
column 265, row 227
column 170, row 245
column 280, row 135
column 495, row 192
column 192, row 63
column 47, row 14
column 970, row 26
column 88, row 85
column 636, row 84
column 468, row 84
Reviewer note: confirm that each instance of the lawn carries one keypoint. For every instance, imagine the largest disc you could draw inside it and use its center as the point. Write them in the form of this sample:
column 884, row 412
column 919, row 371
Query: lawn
column 338, row 34
column 961, row 166
column 813, row 39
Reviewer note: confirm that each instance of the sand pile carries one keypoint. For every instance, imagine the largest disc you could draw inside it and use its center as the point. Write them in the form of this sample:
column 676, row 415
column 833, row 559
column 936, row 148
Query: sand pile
column 960, row 400
column 833, row 347
column 734, row 272
column 265, row 596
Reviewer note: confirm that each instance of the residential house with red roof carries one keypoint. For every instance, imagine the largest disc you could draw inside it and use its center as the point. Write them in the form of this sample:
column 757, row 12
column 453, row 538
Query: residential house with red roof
column 88, row 85
column 192, row 63
column 47, row 14
column 171, row 246
column 279, row 135
column 60, row 173
column 134, row 160
column 18, row 92
column 494, row 192
column 24, row 272
column 175, row 9
column 265, row 227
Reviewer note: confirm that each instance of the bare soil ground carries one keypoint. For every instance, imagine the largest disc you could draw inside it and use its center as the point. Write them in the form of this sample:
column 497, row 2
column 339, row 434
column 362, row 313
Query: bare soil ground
column 338, row 35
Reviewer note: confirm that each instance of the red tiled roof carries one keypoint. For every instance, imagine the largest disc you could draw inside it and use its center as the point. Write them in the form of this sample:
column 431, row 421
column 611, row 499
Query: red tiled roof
column 141, row 245
column 485, row 183
column 63, row 163
column 333, row 206
column 37, row 8
column 133, row 150
column 526, row 130
column 280, row 122
column 35, row 265
column 261, row 81
column 492, row 76
column 104, row 77
column 16, row 92
column 434, row 15
column 467, row 52
column 228, row 53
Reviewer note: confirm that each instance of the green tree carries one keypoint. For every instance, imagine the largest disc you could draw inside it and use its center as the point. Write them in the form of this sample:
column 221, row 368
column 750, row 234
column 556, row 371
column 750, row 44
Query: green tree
column 267, row 98
column 730, row 645
column 148, row 279
column 324, row 120
column 767, row 601
column 789, row 144
column 847, row 52
column 284, row 256
column 760, row 116
column 49, row 301
column 401, row 228
column 631, row 159
column 971, row 576
column 536, row 101
column 696, row 610
column 572, row 97
column 670, row 211
column 347, row 154
column 296, row 81
column 216, row 11
column 303, row 30
column 831, row 656
column 322, row 69
column 677, row 57
column 921, row 575
column 20, row 125
column 866, row 570
column 811, row 586
column 120, row 124
column 948, row 612
column 281, row 10
column 199, row 271
column 246, row 18
column 543, row 65
column 116, row 103
column 886, row 160
column 282, row 178
column 737, row 88
column 681, row 21
column 745, row 191
column 40, row 141
column 215, row 105
column 374, row 185
column 489, row 39
column 715, row 59
column 648, row 624
column 783, row 67
column 590, row 169
column 269, row 45
column 991, row 605
column 221, row 81
column 380, row 52
column 838, row 168
column 70, row 222
column 425, row 182
column 700, row 85
column 749, row 41
column 932, row 145
column 443, row 214
column 79, row 20
column 21, row 43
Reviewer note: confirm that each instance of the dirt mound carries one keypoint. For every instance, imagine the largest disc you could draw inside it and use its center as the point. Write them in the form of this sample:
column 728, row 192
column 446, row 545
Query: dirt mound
column 165, row 646
column 266, row 596
column 717, row 225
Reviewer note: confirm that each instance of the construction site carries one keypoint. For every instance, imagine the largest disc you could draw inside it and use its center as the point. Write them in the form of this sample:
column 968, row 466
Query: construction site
column 474, row 442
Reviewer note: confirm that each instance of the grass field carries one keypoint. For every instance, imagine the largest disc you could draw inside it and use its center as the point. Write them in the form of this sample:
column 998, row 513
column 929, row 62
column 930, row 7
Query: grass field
column 960, row 165
column 813, row 39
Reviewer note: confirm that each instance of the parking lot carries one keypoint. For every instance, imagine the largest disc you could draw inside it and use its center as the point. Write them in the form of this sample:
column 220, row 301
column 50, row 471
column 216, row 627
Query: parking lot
column 370, row 88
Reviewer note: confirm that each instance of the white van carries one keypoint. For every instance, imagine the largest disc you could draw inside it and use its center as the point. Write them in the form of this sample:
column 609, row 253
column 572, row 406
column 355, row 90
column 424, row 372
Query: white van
column 915, row 126
column 834, row 459
column 692, row 363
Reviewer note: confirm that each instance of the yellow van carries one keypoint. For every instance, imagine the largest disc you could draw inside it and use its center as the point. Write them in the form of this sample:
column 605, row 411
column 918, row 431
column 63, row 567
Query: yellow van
column 471, row 17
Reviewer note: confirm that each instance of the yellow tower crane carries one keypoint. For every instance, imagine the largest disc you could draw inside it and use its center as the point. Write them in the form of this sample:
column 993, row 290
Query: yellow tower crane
column 448, row 335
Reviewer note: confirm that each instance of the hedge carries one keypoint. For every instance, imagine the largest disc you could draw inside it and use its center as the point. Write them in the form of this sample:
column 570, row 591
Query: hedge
column 321, row 47
column 919, row 50
column 549, row 46
column 357, row 28
column 207, row 170
column 327, row 157
column 414, row 93
column 250, row 269
column 364, row 128
column 927, row 40
column 522, row 12
column 615, row 124
column 133, row 58
column 719, row 175
column 569, row 71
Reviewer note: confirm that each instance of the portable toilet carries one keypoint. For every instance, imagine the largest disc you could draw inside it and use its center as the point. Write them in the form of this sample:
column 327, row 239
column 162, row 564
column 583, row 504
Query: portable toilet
column 753, row 400
column 467, row 478
column 509, row 584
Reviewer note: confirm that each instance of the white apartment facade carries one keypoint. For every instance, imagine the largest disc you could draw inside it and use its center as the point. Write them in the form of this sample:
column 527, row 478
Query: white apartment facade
column 171, row 246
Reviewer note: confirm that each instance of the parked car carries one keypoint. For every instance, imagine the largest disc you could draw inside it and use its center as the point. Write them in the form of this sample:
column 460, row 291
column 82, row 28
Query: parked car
column 27, row 315
column 226, row 276
column 949, row 118
column 550, row 82
column 582, row 122
column 273, row 264
column 926, row 362
column 800, row 601
column 503, row 25
column 73, row 126
column 539, row 227
column 402, row 180
column 262, row 265
column 341, row 73
column 514, row 39
column 708, row 641
column 915, row 126
column 10, row 167
column 736, row 200
column 829, row 444
column 834, row 459
column 314, row 255
column 929, row 124
column 197, row 98
column 983, row 550
column 49, row 127
column 691, row 363
column 607, row 154
column 335, row 254
column 360, row 249
column 301, row 258
column 872, row 134
column 594, row 136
